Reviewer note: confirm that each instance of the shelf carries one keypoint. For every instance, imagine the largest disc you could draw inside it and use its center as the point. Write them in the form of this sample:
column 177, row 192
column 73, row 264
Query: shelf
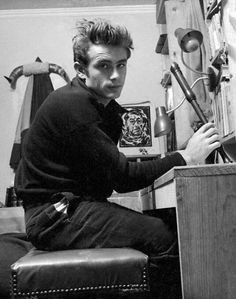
column 162, row 45
column 166, row 80
column 160, row 12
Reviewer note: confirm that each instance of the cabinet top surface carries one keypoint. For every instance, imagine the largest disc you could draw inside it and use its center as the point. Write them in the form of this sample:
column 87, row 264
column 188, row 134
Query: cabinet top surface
column 196, row 171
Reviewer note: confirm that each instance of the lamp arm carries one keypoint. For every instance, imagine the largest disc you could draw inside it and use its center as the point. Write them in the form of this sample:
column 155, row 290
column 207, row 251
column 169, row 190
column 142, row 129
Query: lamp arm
column 188, row 67
column 184, row 98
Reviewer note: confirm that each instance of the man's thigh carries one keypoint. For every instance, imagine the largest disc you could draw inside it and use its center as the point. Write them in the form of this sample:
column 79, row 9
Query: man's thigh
column 99, row 225
column 105, row 224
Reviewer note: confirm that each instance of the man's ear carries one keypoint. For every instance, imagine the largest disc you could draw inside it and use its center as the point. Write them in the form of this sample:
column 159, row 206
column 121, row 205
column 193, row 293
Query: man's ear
column 80, row 70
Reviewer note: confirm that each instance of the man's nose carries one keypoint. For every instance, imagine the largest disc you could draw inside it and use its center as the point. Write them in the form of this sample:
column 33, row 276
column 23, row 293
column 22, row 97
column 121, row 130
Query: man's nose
column 114, row 73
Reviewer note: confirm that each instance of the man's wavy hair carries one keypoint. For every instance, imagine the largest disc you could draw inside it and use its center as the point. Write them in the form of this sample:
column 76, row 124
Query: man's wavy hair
column 98, row 31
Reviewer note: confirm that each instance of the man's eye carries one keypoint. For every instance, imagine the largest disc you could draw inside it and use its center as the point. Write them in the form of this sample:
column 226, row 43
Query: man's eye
column 121, row 65
column 104, row 65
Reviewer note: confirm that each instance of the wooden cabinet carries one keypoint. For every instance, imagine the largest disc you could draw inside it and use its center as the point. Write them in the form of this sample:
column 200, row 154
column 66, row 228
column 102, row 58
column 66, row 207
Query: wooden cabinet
column 205, row 202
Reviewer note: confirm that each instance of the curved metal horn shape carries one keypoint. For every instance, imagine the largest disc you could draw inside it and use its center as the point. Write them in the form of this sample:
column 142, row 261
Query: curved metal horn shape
column 15, row 74
column 54, row 68
column 18, row 71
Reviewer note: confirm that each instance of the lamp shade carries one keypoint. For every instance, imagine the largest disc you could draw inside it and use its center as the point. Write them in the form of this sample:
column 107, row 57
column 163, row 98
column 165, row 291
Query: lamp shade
column 189, row 39
column 163, row 124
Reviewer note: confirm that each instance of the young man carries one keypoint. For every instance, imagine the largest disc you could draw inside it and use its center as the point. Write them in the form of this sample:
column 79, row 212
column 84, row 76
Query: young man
column 71, row 163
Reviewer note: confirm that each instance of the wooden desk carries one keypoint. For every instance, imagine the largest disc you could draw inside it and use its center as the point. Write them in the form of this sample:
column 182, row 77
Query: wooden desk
column 205, row 202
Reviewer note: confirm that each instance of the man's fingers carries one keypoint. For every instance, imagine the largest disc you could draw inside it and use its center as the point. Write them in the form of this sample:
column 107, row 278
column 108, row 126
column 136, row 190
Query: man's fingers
column 211, row 131
column 206, row 127
column 214, row 145
column 213, row 137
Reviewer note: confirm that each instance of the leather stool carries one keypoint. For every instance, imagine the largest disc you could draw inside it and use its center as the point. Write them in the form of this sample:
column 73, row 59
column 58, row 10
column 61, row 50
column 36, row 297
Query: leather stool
column 104, row 271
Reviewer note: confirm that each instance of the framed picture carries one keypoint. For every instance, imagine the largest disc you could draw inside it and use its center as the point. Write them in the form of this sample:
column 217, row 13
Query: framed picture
column 137, row 137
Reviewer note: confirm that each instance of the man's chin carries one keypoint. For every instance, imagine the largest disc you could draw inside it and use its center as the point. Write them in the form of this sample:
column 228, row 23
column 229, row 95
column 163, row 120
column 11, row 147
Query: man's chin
column 109, row 95
column 113, row 94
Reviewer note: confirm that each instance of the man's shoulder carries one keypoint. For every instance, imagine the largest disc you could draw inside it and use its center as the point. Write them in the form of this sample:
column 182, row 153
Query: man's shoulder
column 71, row 91
column 72, row 101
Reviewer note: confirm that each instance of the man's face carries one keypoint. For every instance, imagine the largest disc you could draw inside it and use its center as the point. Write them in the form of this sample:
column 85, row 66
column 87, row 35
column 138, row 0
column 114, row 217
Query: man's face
column 106, row 71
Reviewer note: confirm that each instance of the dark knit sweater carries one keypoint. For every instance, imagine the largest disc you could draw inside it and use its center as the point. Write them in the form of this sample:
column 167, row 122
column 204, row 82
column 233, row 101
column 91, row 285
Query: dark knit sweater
column 72, row 146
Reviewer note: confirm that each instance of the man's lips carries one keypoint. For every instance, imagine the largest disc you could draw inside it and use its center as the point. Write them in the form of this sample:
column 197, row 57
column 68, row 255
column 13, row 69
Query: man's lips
column 114, row 87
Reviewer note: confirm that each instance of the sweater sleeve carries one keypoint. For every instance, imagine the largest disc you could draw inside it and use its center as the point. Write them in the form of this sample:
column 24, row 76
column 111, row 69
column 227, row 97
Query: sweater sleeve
column 102, row 162
column 132, row 176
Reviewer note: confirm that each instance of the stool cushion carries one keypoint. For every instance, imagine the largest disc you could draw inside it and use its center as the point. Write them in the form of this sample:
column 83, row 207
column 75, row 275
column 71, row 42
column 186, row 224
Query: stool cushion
column 80, row 270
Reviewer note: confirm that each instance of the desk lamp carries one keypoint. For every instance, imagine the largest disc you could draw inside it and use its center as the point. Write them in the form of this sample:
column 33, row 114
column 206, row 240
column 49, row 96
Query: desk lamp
column 189, row 41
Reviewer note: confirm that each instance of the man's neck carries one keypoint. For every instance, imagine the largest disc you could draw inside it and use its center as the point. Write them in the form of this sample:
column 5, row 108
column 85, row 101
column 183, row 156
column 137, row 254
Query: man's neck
column 105, row 102
column 100, row 100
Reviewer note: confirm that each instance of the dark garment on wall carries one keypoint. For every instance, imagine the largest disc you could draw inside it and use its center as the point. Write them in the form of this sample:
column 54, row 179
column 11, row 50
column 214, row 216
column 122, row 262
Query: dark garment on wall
column 41, row 88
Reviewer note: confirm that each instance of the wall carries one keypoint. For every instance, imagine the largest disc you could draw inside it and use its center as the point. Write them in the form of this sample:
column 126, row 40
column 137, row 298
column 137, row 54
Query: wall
column 29, row 4
column 47, row 33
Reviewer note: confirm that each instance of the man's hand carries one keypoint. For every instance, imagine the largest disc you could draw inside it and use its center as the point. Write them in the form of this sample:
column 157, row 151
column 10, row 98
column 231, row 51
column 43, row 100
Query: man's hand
column 201, row 144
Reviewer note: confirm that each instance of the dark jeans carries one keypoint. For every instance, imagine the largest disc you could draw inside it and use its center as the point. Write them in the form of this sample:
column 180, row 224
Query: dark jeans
column 91, row 224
